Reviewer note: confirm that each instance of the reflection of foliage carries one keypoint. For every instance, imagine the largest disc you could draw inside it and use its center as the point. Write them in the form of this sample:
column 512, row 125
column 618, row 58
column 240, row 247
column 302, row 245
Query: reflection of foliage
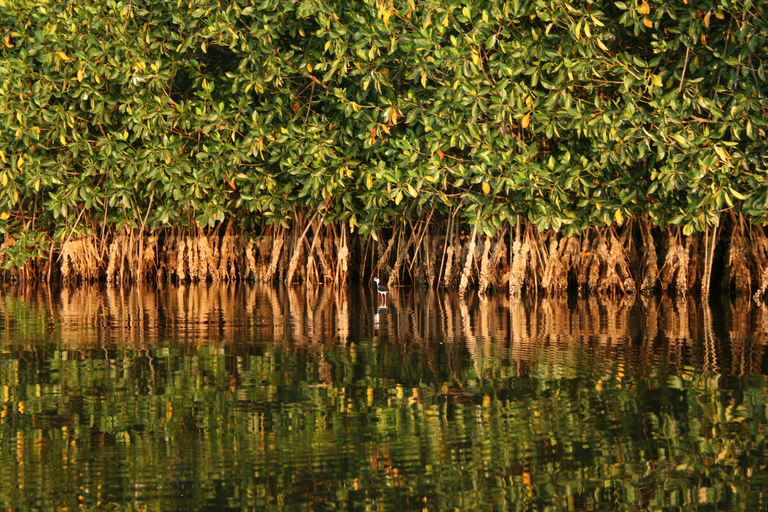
column 275, row 427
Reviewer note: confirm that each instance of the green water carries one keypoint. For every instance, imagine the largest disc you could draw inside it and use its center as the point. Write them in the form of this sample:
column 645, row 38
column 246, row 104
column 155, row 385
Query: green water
column 250, row 398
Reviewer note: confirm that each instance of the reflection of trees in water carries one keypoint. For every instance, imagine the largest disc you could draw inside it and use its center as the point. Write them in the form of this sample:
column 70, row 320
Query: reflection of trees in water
column 303, row 395
column 444, row 329
column 727, row 338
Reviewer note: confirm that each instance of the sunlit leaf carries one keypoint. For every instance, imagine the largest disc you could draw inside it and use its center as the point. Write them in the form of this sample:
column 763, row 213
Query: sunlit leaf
column 722, row 153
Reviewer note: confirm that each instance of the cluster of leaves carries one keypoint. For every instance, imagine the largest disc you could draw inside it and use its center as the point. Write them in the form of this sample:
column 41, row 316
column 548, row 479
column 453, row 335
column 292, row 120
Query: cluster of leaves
column 130, row 114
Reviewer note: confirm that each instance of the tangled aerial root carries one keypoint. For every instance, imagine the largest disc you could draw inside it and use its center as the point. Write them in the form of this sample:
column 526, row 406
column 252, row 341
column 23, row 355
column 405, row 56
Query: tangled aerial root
column 80, row 260
column 637, row 257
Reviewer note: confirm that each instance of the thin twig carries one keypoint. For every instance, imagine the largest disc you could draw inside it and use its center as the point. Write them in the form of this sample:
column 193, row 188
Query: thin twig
column 685, row 66
column 70, row 233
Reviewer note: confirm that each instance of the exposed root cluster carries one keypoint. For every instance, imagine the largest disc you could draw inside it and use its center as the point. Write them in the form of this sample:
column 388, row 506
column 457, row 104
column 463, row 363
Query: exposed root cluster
column 649, row 267
column 759, row 248
column 607, row 260
column 674, row 271
column 80, row 260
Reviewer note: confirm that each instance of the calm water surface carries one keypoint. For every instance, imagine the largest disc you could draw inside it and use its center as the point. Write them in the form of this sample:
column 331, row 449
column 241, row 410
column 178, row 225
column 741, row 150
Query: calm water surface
column 255, row 398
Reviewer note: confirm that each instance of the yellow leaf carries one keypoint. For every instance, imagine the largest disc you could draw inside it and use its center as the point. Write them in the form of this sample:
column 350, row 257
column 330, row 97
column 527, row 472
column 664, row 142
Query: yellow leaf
column 722, row 154
column 412, row 190
column 426, row 23
column 526, row 121
column 645, row 8
column 719, row 15
column 98, row 80
column 648, row 23
column 4, row 179
column 703, row 39
column 369, row 181
column 618, row 216
column 601, row 45
column 475, row 58
column 80, row 74
column 5, row 215
column 423, row 80
column 168, row 159
column 62, row 56
column 706, row 18
column 20, row 162
column 486, row 188
column 18, row 132
column 399, row 197
column 2, row 157
column 63, row 139
column 385, row 14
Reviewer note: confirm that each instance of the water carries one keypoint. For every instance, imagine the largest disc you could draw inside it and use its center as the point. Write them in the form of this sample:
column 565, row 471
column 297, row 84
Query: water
column 254, row 398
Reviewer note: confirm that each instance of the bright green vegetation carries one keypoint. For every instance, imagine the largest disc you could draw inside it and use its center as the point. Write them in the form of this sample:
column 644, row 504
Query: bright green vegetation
column 140, row 117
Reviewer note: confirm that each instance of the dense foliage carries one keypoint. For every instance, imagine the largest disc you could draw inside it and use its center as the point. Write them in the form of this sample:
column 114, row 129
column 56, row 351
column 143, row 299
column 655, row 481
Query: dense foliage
column 568, row 115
